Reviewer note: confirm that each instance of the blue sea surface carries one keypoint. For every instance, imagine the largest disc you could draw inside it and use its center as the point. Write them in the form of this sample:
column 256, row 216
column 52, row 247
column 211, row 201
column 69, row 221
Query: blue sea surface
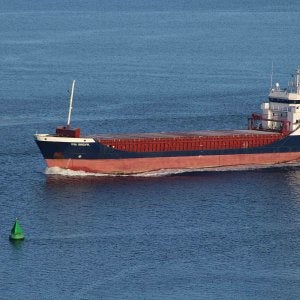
column 145, row 66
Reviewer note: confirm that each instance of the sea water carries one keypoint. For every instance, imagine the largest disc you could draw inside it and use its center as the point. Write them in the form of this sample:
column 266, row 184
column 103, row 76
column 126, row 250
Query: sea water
column 144, row 66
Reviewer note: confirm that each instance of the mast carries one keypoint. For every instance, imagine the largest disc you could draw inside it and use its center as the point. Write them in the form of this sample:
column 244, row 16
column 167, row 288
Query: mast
column 71, row 101
column 272, row 75
column 297, row 80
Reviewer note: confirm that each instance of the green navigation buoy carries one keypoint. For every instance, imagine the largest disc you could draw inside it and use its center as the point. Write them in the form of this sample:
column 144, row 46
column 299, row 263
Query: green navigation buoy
column 16, row 233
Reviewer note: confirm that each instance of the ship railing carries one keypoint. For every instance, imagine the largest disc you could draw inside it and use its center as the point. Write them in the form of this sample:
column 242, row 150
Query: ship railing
column 255, row 122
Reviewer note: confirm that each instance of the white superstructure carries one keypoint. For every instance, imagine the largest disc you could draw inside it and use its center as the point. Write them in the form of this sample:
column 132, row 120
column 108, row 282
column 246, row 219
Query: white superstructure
column 283, row 105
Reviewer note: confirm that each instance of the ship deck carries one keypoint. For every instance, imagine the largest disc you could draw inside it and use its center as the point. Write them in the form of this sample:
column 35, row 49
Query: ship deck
column 176, row 135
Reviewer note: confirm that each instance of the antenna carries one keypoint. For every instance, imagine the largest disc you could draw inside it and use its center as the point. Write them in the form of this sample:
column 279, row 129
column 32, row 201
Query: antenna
column 272, row 74
column 71, row 101
column 298, row 80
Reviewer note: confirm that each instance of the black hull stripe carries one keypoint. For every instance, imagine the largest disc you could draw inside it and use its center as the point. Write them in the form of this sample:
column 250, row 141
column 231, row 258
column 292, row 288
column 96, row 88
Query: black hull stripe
column 98, row 151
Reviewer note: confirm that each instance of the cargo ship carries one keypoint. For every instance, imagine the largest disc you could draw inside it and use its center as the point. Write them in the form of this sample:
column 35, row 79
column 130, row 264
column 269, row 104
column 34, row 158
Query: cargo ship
column 272, row 137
